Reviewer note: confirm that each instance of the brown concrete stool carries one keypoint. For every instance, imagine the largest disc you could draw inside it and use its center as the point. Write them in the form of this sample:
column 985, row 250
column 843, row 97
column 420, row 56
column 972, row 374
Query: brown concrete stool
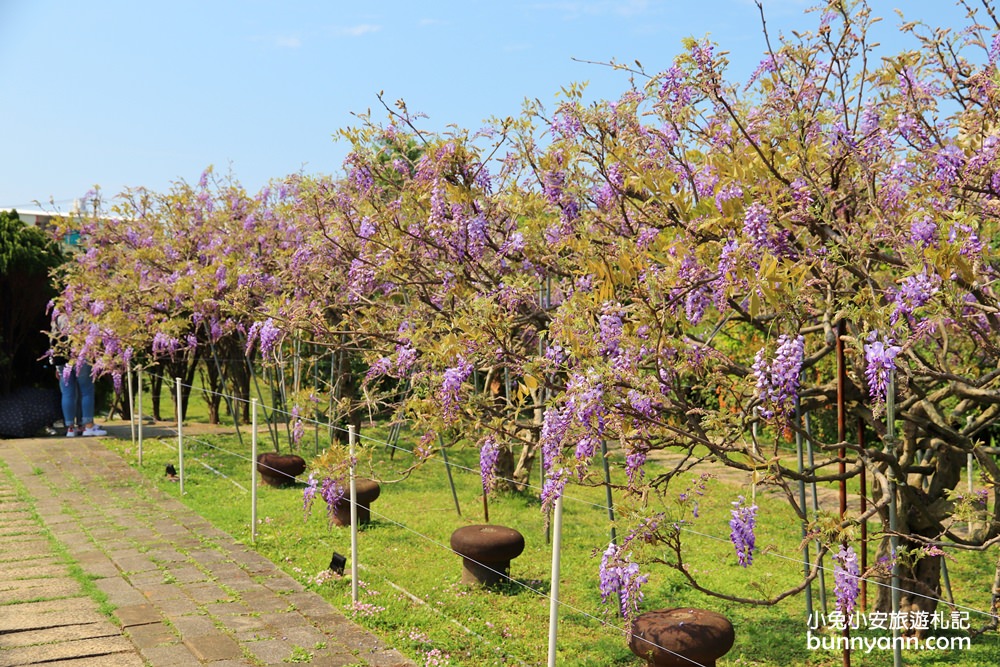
column 486, row 552
column 366, row 490
column 687, row 636
column 280, row 469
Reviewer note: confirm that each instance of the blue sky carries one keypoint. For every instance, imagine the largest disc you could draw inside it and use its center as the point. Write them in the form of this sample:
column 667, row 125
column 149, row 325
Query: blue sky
column 122, row 93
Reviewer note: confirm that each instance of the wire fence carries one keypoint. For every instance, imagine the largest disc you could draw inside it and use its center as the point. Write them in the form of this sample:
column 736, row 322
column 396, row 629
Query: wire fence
column 393, row 446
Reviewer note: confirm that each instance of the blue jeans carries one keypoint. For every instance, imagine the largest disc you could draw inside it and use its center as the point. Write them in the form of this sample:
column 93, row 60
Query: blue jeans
column 77, row 395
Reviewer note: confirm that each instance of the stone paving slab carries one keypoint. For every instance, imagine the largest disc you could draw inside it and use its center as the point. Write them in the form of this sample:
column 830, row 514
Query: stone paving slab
column 17, row 621
column 80, row 605
column 139, row 614
column 50, row 589
column 151, row 635
column 184, row 592
column 114, row 660
column 66, row 650
column 60, row 633
column 214, row 646
column 21, row 571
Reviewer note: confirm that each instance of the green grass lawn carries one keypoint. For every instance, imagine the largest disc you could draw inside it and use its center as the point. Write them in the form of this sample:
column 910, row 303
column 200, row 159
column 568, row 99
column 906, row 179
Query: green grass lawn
column 410, row 579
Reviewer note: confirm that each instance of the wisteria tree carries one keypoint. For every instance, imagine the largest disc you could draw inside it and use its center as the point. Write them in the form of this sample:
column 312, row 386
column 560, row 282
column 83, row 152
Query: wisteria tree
column 444, row 283
column 729, row 236
column 675, row 270
column 173, row 280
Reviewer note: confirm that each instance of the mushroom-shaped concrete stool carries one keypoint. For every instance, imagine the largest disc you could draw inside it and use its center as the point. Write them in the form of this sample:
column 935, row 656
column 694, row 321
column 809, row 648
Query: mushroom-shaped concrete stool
column 366, row 490
column 280, row 469
column 681, row 637
column 486, row 552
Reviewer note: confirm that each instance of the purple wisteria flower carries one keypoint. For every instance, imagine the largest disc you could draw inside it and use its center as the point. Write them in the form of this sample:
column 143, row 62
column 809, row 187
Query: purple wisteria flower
column 949, row 162
column 778, row 380
column 367, row 228
column 697, row 488
column 405, row 358
column 610, row 329
column 586, row 447
column 923, row 232
column 565, row 124
column 165, row 345
column 705, row 181
column 451, row 383
column 675, row 90
column 881, row 362
column 476, row 237
column 646, row 237
column 846, row 577
column 586, row 401
column 801, row 193
column 967, row 238
column 620, row 576
column 332, row 492
column 309, row 494
column 488, row 455
column 642, row 404
column 378, row 368
column 555, row 423
column 298, row 427
column 269, row 336
column 514, row 244
column 256, row 332
column 361, row 279
column 695, row 303
column 215, row 330
column 741, row 530
column 553, row 183
column 361, row 178
column 727, row 192
column 584, row 283
column 552, row 488
column 914, row 292
column 755, row 222
column 555, row 353
column 634, row 462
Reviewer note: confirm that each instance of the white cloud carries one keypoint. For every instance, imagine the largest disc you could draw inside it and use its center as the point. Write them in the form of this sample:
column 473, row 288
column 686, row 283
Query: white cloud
column 359, row 30
column 287, row 41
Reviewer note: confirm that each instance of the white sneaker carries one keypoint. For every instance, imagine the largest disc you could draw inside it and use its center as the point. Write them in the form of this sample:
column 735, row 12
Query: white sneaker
column 71, row 433
column 94, row 430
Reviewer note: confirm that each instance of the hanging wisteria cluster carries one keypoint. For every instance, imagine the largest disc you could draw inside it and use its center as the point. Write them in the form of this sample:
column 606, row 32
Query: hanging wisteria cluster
column 847, row 581
column 778, row 378
column 620, row 578
column 741, row 530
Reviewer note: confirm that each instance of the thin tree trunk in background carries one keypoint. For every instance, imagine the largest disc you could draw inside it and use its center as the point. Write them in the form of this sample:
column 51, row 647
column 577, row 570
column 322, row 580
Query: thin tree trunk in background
column 994, row 602
column 155, row 388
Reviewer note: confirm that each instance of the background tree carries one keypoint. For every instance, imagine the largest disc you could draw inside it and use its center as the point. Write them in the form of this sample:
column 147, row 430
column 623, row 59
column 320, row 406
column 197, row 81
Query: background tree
column 27, row 256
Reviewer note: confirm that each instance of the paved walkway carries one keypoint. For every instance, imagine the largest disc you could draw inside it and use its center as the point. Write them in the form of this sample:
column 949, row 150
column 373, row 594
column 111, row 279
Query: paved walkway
column 183, row 592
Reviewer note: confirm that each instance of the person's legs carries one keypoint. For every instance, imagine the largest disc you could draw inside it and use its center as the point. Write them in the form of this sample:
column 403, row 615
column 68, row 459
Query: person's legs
column 86, row 384
column 68, row 385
